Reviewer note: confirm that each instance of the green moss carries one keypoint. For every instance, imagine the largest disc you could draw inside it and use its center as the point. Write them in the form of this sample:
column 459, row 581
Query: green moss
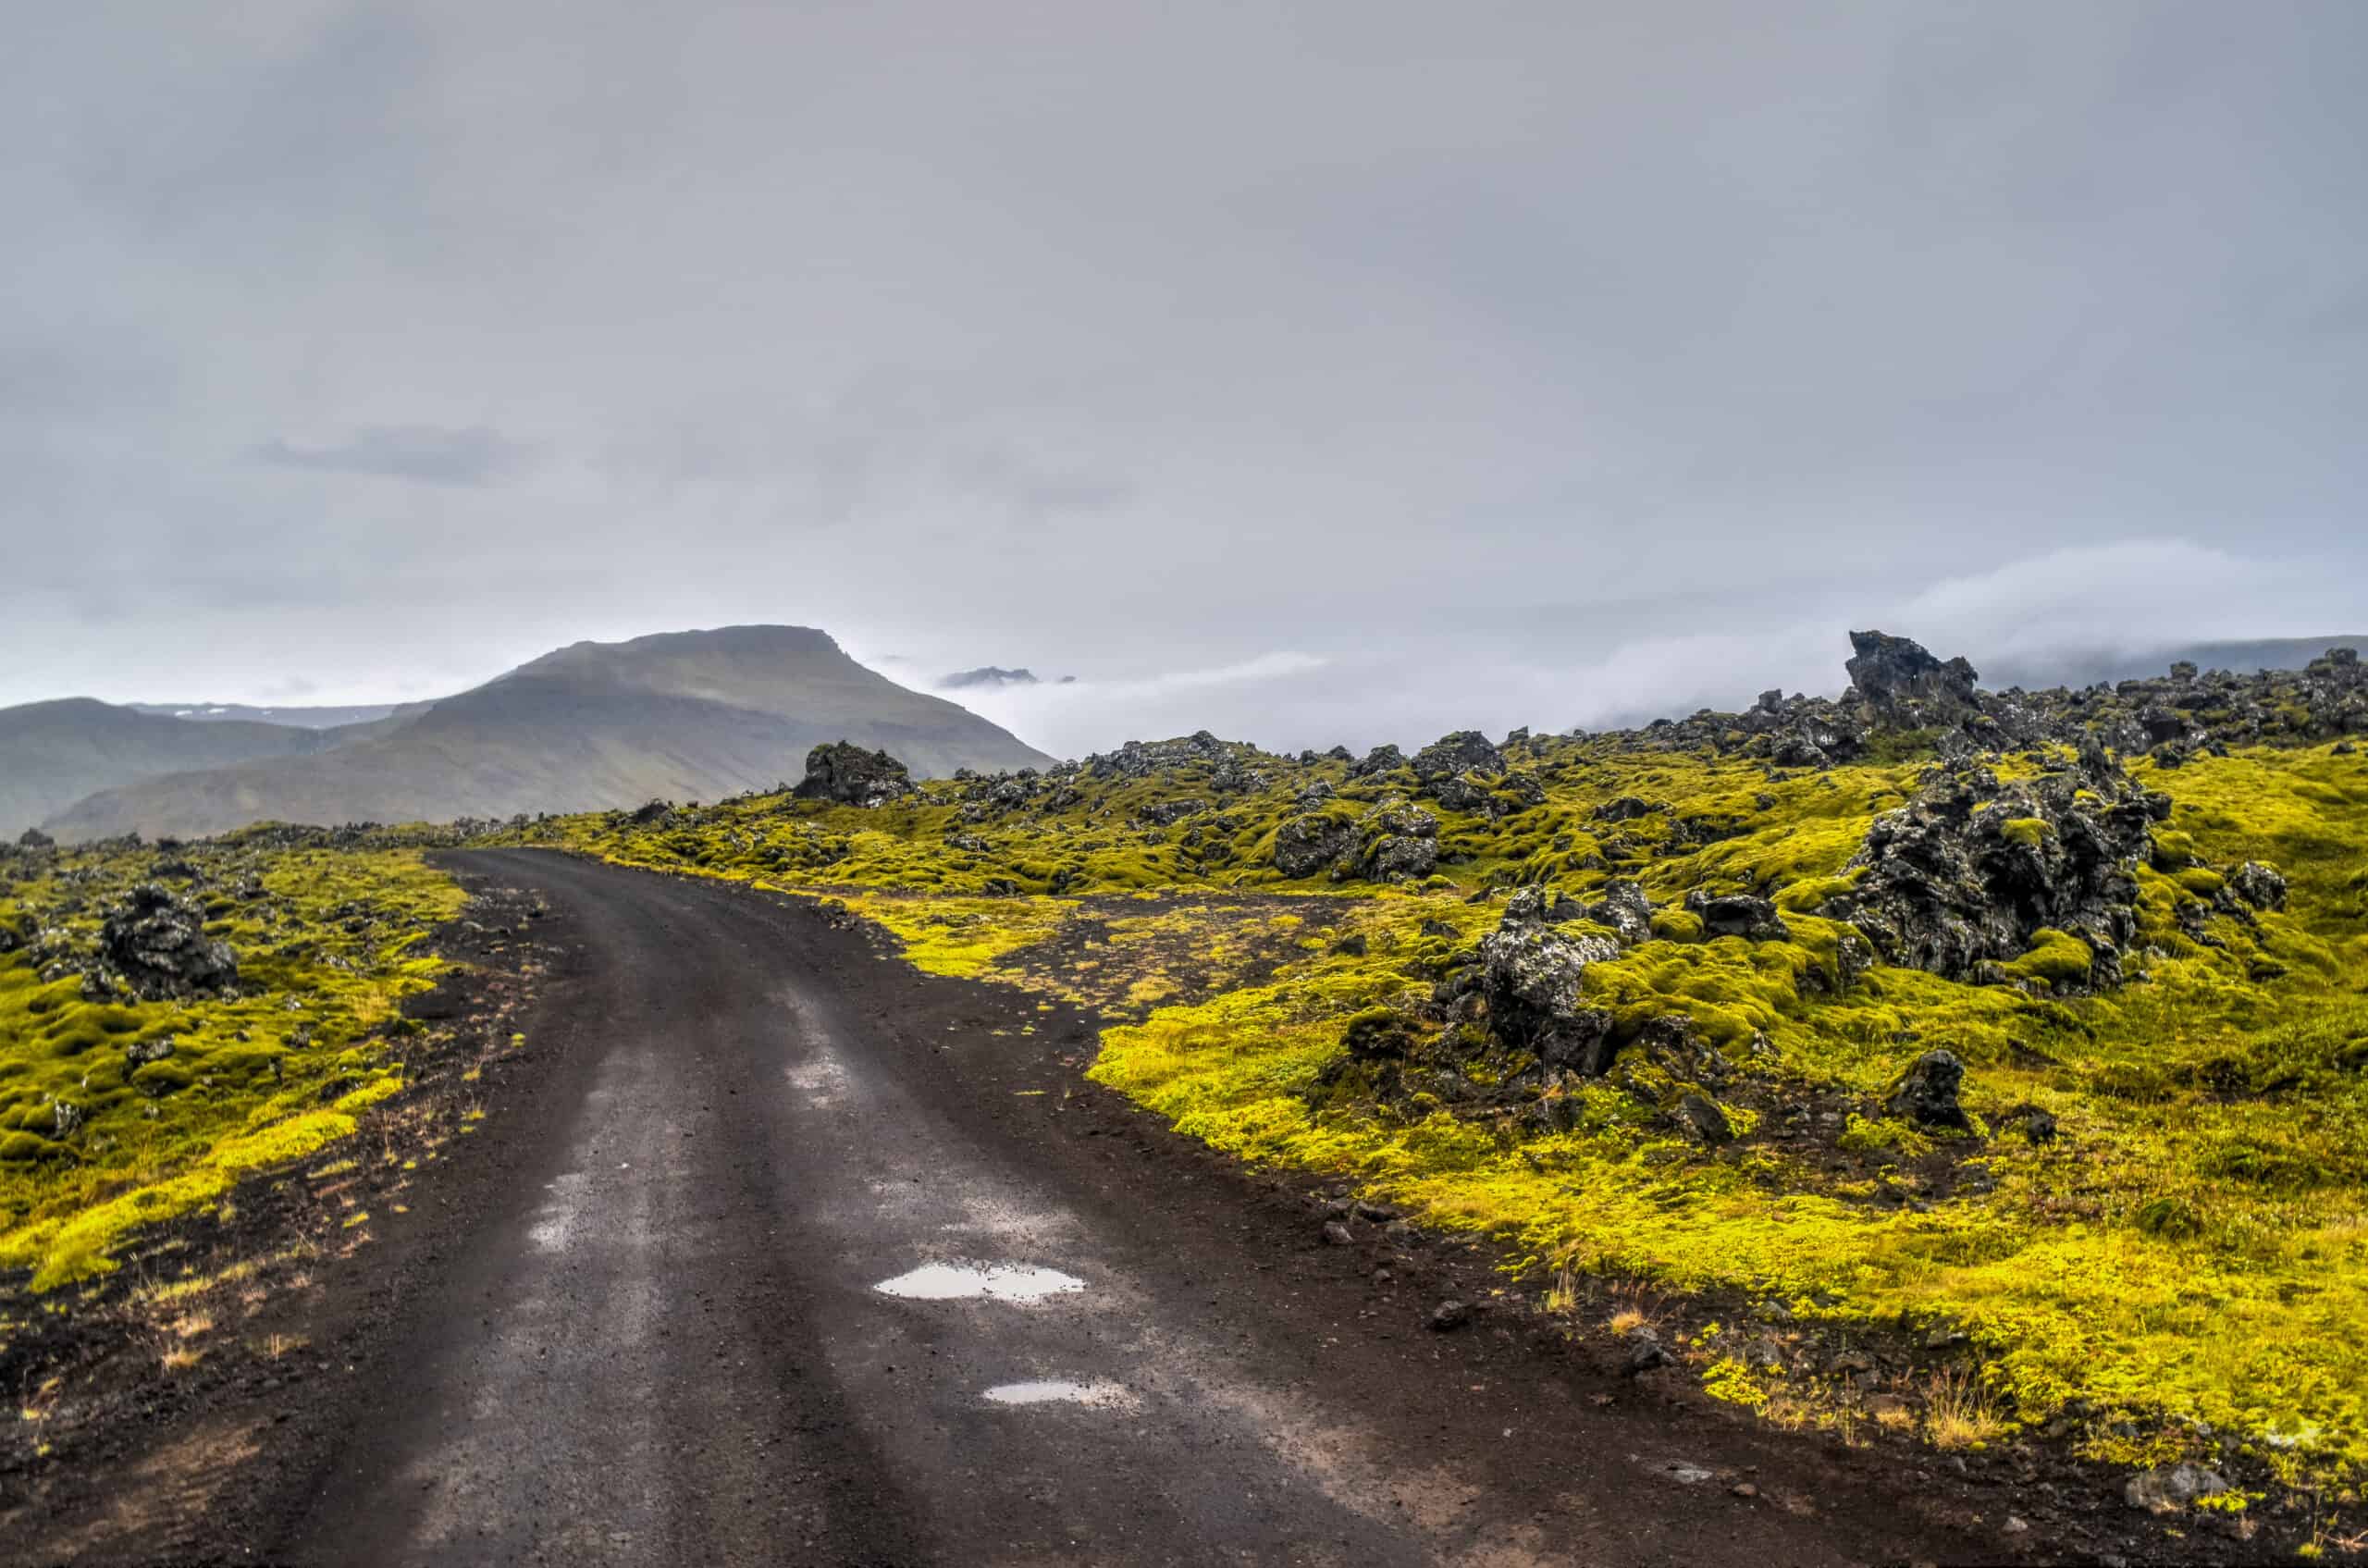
column 2030, row 830
column 324, row 957
column 1677, row 925
column 2056, row 958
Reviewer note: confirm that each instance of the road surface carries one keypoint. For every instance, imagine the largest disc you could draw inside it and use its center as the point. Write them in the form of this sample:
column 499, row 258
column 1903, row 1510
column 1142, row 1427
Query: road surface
column 801, row 1257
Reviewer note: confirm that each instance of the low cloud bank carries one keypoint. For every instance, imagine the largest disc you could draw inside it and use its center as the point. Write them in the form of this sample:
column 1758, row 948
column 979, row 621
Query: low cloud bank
column 1553, row 670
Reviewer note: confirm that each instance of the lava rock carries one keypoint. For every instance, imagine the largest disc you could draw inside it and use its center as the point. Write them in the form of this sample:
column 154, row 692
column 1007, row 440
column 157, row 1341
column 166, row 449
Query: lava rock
column 849, row 775
column 1401, row 842
column 1380, row 1034
column 1905, row 686
column 1647, row 1353
column 1701, row 1116
column 1464, row 751
column 1737, row 914
column 2172, row 1488
column 1972, row 869
column 1626, row 910
column 1313, row 842
column 156, row 941
column 1927, row 1092
column 1530, row 977
column 1450, row 1314
column 2259, row 884
column 1399, row 857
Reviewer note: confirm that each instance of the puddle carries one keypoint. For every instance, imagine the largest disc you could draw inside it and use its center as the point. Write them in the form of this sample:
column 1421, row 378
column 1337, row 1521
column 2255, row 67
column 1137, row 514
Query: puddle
column 1002, row 1282
column 1685, row 1472
column 1093, row 1396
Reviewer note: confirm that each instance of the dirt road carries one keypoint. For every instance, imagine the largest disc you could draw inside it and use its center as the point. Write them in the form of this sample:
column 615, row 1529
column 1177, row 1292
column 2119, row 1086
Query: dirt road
column 799, row 1257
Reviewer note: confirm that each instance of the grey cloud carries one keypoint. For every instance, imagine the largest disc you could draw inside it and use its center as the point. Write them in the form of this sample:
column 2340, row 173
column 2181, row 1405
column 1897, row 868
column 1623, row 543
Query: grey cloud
column 1501, row 356
column 423, row 453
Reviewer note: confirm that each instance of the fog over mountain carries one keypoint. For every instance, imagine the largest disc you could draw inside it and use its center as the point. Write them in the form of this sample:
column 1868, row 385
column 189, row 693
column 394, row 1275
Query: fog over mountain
column 1320, row 372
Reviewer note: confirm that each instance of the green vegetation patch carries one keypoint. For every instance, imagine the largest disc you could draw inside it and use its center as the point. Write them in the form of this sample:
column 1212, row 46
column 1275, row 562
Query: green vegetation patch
column 2152, row 1223
column 120, row 1112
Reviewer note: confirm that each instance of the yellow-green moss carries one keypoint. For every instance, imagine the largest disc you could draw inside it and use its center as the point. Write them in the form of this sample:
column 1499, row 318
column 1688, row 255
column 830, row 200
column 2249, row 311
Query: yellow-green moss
column 325, row 950
column 2190, row 1248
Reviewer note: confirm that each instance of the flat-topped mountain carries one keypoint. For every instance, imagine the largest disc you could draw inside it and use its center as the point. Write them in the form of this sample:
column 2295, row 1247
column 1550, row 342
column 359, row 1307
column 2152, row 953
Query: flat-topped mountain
column 694, row 715
column 52, row 754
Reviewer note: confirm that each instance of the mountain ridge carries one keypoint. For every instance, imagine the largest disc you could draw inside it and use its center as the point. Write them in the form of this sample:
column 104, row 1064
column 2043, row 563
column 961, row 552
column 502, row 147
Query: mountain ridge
column 56, row 752
column 694, row 714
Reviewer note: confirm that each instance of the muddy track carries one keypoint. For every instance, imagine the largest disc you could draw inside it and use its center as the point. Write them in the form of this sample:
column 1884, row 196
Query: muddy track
column 648, row 1326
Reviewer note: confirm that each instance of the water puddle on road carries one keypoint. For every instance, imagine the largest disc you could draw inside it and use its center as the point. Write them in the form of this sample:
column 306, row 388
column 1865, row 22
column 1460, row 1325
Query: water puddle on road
column 1093, row 1396
column 1002, row 1282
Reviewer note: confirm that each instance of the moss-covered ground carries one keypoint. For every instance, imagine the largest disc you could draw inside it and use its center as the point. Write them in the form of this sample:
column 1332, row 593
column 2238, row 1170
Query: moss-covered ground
column 2181, row 1269
column 116, row 1112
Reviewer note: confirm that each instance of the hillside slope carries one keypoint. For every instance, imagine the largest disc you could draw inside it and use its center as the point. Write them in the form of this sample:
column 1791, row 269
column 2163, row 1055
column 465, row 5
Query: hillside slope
column 294, row 718
column 53, row 754
column 682, row 715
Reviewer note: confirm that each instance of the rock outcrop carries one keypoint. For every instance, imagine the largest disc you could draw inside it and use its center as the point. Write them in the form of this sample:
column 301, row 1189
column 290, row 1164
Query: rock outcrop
column 1905, row 687
column 1392, row 842
column 1464, row 751
column 848, row 775
column 1737, row 914
column 1964, row 879
column 1927, row 1092
column 156, row 942
column 1531, row 972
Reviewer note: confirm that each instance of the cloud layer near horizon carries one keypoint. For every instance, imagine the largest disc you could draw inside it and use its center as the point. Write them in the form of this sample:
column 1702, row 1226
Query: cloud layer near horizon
column 1519, row 363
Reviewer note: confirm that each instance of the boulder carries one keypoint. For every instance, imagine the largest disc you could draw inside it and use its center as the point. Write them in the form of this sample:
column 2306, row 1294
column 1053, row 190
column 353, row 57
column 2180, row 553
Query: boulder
column 1464, row 751
column 157, row 941
column 1492, row 799
column 1927, row 1092
column 1626, row 910
column 1703, row 1120
column 1736, row 914
column 847, row 774
column 1313, row 842
column 2259, row 884
column 34, row 838
column 1971, row 872
column 1531, row 976
column 1401, row 842
column 1905, row 687
column 1380, row 760
column 2172, row 1488
column 1399, row 857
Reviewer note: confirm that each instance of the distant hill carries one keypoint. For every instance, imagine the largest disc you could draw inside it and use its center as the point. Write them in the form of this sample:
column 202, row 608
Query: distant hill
column 684, row 716
column 2087, row 666
column 987, row 675
column 52, row 754
column 300, row 718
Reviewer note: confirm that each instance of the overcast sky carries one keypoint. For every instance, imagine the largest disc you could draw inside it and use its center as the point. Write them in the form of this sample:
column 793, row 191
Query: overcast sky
column 1309, row 370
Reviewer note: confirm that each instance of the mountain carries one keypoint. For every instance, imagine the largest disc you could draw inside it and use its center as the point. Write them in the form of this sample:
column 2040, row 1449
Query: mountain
column 300, row 718
column 687, row 715
column 987, row 675
column 52, row 754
